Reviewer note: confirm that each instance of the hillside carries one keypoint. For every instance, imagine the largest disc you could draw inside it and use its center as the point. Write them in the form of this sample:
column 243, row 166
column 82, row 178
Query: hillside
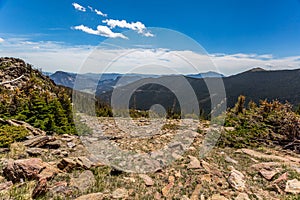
column 65, row 167
column 256, row 156
column 256, row 85
column 28, row 95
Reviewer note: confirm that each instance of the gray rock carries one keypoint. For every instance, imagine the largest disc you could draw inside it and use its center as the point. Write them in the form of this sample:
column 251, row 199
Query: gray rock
column 71, row 145
column 85, row 181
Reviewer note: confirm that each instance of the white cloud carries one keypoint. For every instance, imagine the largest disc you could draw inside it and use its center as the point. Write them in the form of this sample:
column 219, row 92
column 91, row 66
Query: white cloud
column 233, row 64
column 101, row 30
column 98, row 12
column 50, row 56
column 136, row 26
column 78, row 7
column 1, row 40
column 91, row 8
column 53, row 56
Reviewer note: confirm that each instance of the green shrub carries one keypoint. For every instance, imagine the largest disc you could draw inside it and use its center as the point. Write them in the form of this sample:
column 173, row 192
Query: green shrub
column 10, row 134
column 268, row 123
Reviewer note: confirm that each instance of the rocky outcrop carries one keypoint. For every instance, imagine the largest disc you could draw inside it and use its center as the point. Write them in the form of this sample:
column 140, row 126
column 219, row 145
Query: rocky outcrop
column 236, row 180
column 27, row 169
column 84, row 181
column 32, row 130
column 70, row 171
column 293, row 186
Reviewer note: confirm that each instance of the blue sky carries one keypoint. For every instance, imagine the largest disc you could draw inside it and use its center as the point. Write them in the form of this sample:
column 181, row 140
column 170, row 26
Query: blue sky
column 266, row 30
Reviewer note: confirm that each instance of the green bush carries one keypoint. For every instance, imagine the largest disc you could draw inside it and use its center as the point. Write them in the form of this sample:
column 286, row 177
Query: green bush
column 268, row 123
column 10, row 134
column 47, row 107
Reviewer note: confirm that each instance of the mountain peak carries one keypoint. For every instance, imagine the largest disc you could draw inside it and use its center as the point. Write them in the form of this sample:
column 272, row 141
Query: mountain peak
column 257, row 69
column 16, row 73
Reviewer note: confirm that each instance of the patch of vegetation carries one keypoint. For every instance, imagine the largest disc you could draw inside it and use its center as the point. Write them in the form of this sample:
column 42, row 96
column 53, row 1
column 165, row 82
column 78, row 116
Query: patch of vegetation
column 170, row 126
column 40, row 104
column 266, row 123
column 10, row 134
column 138, row 114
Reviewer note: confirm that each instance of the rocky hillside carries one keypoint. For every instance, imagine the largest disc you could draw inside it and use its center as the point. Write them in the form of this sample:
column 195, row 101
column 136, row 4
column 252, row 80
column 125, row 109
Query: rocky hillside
column 28, row 95
column 255, row 157
column 60, row 167
column 15, row 73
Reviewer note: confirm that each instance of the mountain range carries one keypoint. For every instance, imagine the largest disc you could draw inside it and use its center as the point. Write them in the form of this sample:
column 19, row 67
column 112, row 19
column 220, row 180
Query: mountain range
column 89, row 82
column 256, row 84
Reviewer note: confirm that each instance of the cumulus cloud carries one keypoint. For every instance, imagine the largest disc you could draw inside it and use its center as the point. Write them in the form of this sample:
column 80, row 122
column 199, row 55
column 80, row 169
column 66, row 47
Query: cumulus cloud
column 101, row 30
column 78, row 7
column 48, row 55
column 98, row 12
column 136, row 26
column 1, row 40
column 232, row 64
column 53, row 56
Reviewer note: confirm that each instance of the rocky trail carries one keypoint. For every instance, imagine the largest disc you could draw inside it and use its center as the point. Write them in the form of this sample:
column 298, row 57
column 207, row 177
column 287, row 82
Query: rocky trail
column 75, row 167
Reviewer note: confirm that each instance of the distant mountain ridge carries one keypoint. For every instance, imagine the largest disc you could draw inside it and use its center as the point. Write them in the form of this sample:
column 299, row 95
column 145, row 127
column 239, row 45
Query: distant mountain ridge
column 108, row 81
column 256, row 85
column 209, row 74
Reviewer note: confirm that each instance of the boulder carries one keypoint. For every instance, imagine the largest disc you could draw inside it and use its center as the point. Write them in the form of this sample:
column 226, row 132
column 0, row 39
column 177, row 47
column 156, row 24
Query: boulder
column 39, row 141
column 85, row 181
column 293, row 186
column 67, row 164
column 35, row 151
column 60, row 188
column 55, row 144
column 120, row 193
column 29, row 169
column 268, row 174
column 236, row 180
